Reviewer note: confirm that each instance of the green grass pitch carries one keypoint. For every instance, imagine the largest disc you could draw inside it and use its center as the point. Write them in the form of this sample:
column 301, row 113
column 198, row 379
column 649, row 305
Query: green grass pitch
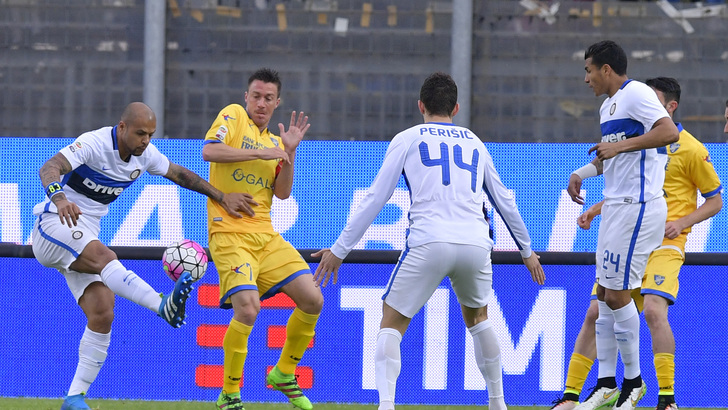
column 7, row 403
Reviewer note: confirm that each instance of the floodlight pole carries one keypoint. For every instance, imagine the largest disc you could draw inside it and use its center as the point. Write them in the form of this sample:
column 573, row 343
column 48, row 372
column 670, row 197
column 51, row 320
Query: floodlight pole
column 154, row 61
column 462, row 57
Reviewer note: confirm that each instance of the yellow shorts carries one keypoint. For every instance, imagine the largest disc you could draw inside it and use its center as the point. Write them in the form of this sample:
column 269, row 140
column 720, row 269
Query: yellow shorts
column 661, row 274
column 661, row 277
column 254, row 261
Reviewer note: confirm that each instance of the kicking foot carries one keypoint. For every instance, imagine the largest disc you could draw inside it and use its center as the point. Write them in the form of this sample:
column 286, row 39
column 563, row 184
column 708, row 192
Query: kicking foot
column 172, row 308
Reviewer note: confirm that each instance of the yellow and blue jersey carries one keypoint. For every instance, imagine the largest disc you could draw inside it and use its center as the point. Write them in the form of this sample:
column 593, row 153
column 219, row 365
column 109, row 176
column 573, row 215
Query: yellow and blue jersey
column 234, row 127
column 688, row 170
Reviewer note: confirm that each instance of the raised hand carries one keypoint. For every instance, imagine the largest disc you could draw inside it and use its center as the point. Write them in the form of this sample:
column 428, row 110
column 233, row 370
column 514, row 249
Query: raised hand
column 296, row 130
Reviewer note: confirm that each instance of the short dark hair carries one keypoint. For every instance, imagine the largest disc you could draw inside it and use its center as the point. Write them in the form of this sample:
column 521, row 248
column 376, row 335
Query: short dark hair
column 726, row 103
column 669, row 86
column 439, row 94
column 608, row 52
column 266, row 75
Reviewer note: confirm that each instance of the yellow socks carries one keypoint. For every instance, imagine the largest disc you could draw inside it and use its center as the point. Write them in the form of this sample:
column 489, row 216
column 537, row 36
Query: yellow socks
column 235, row 345
column 579, row 367
column 665, row 369
column 299, row 332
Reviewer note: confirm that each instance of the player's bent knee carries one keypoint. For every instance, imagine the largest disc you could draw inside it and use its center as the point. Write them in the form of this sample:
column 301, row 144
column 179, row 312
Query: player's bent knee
column 94, row 258
column 312, row 305
column 654, row 315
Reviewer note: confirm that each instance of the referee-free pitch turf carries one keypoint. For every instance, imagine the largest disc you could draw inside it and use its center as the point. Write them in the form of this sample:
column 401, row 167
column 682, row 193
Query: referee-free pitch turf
column 55, row 404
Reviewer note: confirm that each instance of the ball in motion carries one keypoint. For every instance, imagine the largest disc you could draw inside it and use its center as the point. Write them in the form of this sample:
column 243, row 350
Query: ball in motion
column 184, row 256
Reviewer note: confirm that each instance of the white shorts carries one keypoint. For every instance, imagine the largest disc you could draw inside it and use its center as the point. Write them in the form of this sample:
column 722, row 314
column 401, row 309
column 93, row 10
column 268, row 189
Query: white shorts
column 55, row 245
column 421, row 269
column 628, row 233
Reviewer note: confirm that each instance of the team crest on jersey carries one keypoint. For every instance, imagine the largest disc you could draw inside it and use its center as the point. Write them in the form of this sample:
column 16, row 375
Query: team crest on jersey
column 274, row 141
column 659, row 279
column 75, row 146
column 77, row 234
column 613, row 108
column 221, row 133
column 674, row 147
column 135, row 174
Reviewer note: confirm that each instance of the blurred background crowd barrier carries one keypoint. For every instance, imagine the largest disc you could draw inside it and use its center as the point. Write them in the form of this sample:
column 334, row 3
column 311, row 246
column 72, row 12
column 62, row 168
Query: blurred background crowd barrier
column 354, row 66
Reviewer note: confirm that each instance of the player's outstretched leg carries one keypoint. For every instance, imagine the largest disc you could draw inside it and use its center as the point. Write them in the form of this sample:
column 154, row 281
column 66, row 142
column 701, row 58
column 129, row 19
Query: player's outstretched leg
column 229, row 401
column 288, row 385
column 74, row 402
column 599, row 397
column 630, row 396
column 172, row 308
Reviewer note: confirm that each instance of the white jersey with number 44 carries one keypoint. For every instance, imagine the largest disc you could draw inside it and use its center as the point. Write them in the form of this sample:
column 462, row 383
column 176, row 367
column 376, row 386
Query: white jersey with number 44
column 447, row 170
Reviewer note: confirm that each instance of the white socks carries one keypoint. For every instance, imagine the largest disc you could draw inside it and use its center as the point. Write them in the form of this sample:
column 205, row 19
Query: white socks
column 488, row 358
column 91, row 355
column 387, row 364
column 606, row 341
column 627, row 331
column 128, row 285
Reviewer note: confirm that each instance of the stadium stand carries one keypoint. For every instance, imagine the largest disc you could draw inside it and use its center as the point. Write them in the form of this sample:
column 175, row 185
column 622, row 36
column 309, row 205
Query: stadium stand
column 354, row 66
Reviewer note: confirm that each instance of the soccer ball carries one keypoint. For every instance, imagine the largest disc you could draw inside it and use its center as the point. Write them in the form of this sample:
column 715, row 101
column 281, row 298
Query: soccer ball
column 184, row 256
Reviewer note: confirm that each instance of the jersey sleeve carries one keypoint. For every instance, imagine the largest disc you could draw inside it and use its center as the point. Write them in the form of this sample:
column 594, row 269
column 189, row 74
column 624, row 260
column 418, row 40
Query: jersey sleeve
column 645, row 106
column 376, row 197
column 225, row 124
column 81, row 150
column 158, row 162
column 505, row 204
column 703, row 174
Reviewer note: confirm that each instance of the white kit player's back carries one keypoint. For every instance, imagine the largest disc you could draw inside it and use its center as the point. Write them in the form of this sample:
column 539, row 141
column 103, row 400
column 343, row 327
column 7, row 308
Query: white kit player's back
column 444, row 170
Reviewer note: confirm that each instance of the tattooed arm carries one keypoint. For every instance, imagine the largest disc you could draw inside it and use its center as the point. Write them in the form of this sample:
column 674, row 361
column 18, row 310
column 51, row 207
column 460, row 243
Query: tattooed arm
column 232, row 202
column 51, row 172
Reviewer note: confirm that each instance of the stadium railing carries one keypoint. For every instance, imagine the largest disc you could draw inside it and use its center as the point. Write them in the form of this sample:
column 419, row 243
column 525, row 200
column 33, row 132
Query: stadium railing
column 11, row 250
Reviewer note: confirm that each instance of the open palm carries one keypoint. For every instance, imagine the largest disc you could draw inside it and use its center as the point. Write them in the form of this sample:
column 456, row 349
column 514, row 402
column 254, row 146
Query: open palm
column 296, row 130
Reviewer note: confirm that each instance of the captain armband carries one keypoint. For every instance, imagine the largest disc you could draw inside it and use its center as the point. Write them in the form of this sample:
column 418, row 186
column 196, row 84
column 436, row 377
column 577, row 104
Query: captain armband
column 53, row 188
column 588, row 170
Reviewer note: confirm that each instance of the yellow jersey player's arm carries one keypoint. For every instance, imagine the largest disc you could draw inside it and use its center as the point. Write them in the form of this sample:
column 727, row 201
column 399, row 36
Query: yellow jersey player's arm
column 710, row 207
column 698, row 172
column 291, row 138
column 584, row 220
column 284, row 180
column 220, row 152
